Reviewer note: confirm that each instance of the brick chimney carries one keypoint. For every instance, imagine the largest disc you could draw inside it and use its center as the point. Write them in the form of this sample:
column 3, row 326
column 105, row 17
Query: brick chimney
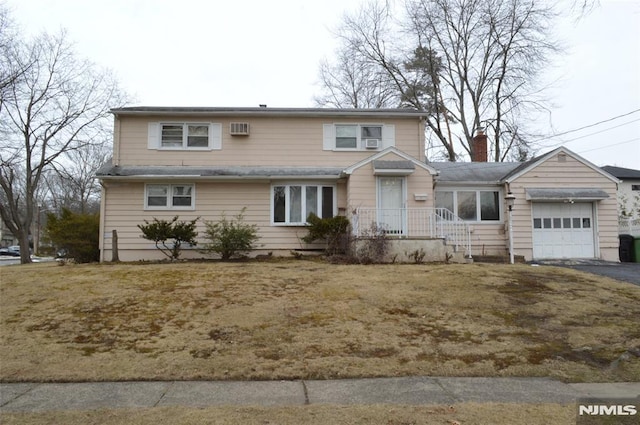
column 479, row 146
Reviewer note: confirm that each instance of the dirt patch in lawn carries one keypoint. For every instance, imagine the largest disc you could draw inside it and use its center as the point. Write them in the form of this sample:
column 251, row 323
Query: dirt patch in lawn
column 312, row 320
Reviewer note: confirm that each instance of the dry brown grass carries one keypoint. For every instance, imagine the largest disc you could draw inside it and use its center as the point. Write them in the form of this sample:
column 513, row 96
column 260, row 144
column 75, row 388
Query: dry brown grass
column 308, row 319
column 465, row 414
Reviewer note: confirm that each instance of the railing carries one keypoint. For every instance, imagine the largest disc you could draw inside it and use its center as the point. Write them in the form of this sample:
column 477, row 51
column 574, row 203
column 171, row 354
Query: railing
column 414, row 222
column 628, row 226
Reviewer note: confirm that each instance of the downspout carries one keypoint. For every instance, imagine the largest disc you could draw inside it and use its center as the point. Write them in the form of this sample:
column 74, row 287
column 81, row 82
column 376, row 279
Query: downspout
column 103, row 203
column 116, row 140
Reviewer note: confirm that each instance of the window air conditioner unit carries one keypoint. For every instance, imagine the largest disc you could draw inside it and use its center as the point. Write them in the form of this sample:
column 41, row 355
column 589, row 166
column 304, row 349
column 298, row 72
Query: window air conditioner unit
column 372, row 143
column 239, row 128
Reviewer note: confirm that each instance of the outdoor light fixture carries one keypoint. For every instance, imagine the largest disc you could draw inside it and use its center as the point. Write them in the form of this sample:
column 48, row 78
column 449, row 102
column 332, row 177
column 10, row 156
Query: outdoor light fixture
column 510, row 199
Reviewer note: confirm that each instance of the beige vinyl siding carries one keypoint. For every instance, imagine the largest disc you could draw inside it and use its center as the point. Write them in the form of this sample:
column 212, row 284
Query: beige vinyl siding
column 362, row 186
column 272, row 142
column 125, row 210
column 568, row 174
column 489, row 239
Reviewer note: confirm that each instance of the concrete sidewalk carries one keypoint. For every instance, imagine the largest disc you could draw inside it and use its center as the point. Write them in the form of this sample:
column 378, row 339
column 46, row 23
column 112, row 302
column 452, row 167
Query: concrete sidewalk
column 39, row 397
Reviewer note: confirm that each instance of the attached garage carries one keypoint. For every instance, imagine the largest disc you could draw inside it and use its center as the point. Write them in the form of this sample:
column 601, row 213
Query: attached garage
column 563, row 230
column 564, row 222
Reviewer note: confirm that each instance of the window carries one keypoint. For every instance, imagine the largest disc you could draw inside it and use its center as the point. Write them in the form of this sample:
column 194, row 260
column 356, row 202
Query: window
column 471, row 205
column 293, row 203
column 169, row 196
column 635, row 187
column 184, row 136
column 354, row 136
column 346, row 137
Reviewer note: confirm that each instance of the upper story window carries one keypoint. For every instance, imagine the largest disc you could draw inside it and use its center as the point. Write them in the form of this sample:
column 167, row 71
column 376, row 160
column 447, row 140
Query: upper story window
column 169, row 196
column 185, row 136
column 471, row 205
column 292, row 203
column 355, row 137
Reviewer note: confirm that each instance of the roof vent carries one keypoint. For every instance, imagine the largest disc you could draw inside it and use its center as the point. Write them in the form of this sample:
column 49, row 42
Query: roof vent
column 239, row 128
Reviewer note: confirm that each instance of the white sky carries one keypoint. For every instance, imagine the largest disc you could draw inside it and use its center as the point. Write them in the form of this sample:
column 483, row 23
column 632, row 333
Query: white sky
column 249, row 52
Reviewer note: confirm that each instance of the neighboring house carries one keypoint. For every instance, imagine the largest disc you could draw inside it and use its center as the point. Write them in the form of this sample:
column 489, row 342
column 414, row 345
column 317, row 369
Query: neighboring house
column 6, row 237
column 369, row 165
column 628, row 190
column 628, row 198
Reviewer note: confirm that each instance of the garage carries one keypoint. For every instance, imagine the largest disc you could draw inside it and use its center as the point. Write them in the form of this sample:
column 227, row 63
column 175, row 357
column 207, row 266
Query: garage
column 563, row 230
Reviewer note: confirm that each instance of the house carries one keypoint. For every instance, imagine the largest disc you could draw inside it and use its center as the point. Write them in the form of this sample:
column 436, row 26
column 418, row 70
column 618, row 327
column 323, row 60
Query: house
column 563, row 206
column 367, row 164
column 628, row 198
column 628, row 190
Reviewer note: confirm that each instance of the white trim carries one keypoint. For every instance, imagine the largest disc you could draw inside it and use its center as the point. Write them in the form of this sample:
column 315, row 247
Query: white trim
column 551, row 154
column 501, row 210
column 168, row 207
column 154, row 136
column 302, row 183
column 402, row 209
column 387, row 136
column 392, row 149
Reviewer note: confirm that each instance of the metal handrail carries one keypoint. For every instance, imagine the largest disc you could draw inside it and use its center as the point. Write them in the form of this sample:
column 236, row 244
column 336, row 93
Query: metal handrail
column 414, row 222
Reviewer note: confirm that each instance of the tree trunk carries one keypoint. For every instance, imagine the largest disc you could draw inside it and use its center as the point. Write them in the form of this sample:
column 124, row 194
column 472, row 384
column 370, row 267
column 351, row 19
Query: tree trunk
column 25, row 253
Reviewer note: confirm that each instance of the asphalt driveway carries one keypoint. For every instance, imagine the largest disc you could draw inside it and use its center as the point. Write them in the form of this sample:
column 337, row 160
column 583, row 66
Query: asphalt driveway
column 627, row 272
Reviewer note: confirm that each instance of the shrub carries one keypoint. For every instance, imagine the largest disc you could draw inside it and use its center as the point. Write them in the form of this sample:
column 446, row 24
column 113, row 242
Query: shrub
column 373, row 245
column 178, row 232
column 230, row 237
column 77, row 234
column 333, row 230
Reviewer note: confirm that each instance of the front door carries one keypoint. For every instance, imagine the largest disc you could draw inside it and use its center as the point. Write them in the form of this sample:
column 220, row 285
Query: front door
column 391, row 205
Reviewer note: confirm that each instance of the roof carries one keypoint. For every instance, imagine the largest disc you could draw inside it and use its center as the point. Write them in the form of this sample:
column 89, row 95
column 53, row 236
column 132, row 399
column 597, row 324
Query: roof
column 396, row 151
column 264, row 111
column 236, row 172
column 527, row 166
column 622, row 173
column 473, row 172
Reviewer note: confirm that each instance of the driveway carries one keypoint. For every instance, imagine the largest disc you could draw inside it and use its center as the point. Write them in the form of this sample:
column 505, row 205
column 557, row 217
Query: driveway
column 628, row 272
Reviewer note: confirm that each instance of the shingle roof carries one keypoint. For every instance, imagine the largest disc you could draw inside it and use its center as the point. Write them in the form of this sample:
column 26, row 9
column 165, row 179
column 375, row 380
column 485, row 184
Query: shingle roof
column 264, row 111
column 622, row 173
column 238, row 171
column 478, row 172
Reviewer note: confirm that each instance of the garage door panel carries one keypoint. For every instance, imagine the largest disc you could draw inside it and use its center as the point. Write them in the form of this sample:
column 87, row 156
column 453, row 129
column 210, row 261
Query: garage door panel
column 563, row 230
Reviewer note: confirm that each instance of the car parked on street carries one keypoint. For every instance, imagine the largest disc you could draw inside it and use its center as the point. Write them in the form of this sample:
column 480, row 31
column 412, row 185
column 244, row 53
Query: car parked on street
column 11, row 251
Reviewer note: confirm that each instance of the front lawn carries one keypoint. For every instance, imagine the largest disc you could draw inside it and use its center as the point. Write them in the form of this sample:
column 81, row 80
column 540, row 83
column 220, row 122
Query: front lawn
column 299, row 319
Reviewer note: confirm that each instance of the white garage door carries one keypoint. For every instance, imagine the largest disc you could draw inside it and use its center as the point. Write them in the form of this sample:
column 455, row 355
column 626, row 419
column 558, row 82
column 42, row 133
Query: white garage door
column 563, row 230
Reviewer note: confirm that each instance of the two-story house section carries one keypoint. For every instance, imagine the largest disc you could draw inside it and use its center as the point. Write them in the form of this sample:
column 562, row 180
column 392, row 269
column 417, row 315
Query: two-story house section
column 281, row 164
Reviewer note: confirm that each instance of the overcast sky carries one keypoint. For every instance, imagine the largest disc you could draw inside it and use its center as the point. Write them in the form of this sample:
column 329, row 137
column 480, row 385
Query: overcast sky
column 250, row 52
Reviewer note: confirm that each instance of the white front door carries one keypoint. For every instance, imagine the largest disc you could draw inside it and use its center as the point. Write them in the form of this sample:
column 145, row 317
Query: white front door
column 563, row 230
column 391, row 204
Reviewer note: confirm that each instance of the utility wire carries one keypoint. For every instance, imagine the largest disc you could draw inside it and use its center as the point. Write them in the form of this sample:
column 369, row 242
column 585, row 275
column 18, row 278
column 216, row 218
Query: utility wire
column 611, row 145
column 553, row 136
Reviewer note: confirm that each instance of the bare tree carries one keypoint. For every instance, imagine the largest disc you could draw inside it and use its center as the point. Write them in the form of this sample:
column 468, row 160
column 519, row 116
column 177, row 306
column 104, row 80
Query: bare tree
column 71, row 184
column 354, row 81
column 58, row 105
column 467, row 63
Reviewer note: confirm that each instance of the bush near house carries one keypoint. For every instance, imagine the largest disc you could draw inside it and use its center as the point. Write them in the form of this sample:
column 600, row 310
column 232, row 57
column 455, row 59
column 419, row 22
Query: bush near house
column 177, row 232
column 230, row 237
column 333, row 230
column 77, row 234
